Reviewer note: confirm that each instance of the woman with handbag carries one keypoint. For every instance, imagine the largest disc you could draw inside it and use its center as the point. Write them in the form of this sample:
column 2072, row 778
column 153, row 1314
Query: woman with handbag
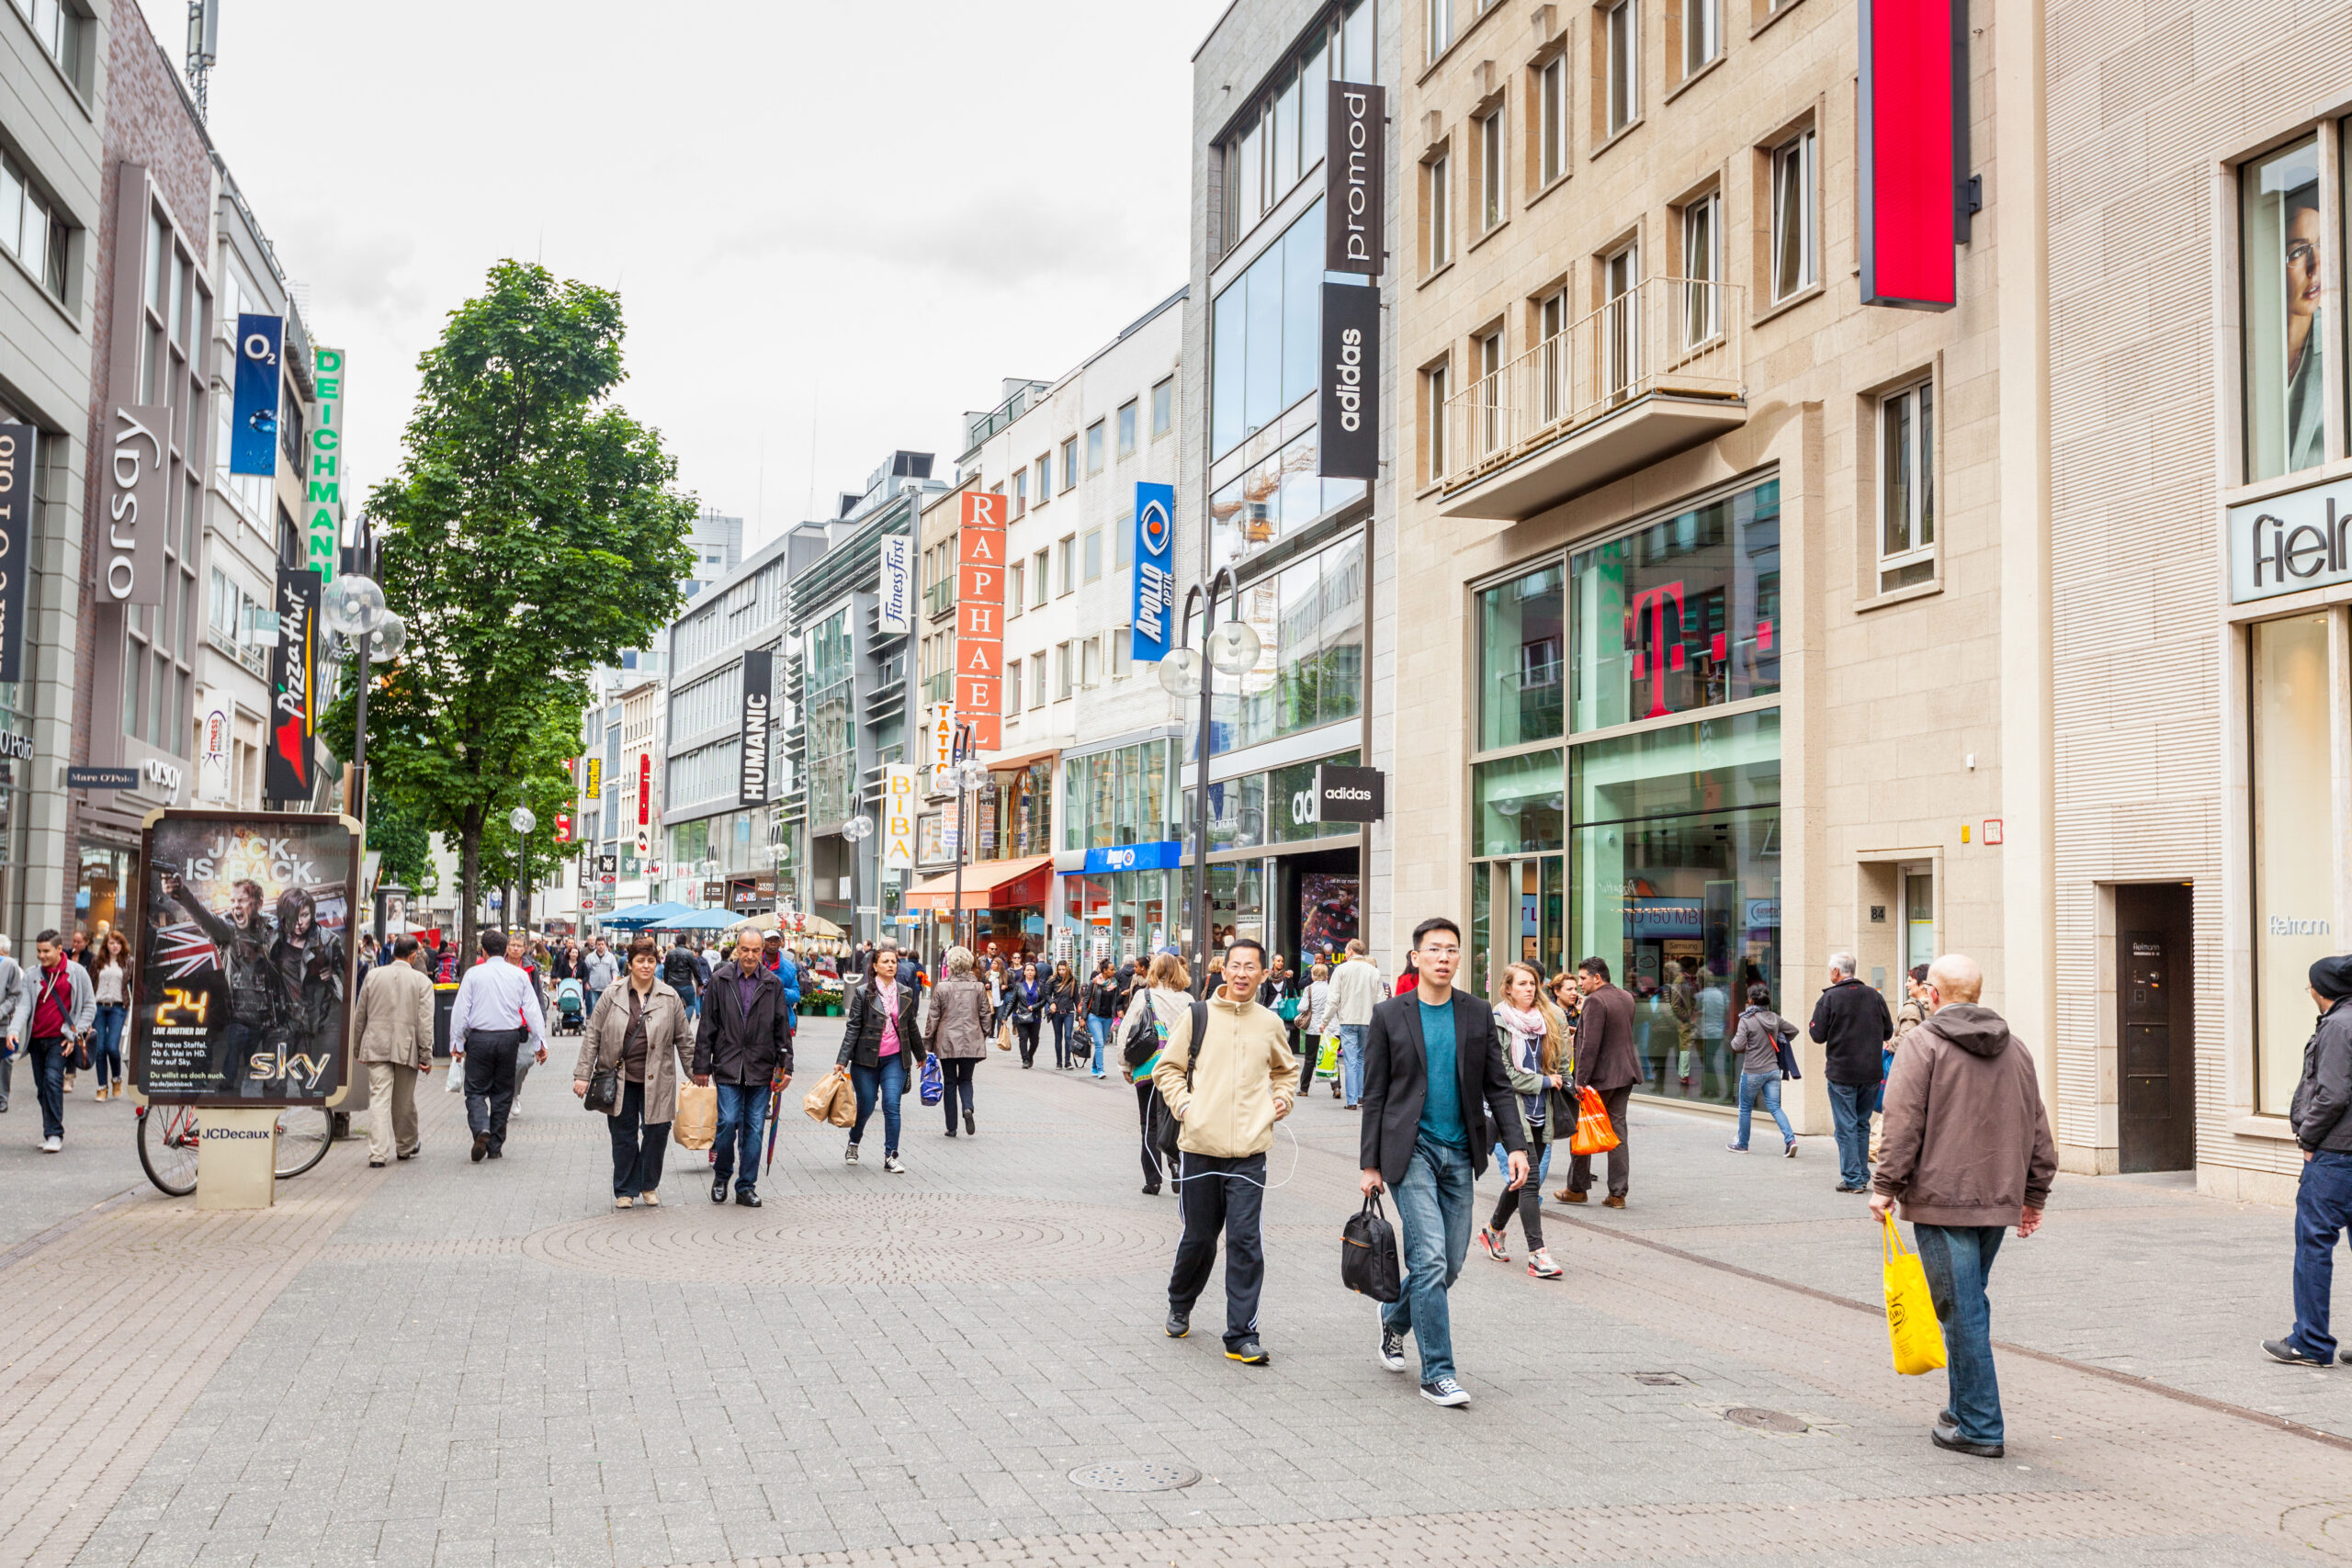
column 882, row 1046
column 1102, row 1006
column 1756, row 1046
column 1028, row 999
column 628, row 1069
column 958, row 1030
column 113, row 976
column 1061, row 1007
column 1166, row 994
column 1533, row 1040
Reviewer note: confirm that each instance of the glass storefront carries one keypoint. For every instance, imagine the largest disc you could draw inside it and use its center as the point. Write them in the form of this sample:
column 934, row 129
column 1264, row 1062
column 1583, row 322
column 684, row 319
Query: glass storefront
column 1302, row 897
column 1309, row 621
column 1654, row 846
column 1013, row 814
column 2294, row 887
column 1119, row 915
column 1116, row 797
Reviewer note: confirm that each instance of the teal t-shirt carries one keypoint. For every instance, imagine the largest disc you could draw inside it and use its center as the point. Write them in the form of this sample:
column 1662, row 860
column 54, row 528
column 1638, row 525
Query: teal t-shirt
column 1442, row 1104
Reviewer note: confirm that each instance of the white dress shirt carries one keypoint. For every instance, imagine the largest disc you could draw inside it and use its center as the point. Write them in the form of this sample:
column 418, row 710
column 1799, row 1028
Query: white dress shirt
column 495, row 995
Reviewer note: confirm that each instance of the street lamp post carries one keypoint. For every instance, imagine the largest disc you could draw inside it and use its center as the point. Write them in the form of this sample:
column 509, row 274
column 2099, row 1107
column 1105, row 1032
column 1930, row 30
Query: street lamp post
column 523, row 821
column 352, row 607
column 1232, row 648
column 857, row 830
column 968, row 776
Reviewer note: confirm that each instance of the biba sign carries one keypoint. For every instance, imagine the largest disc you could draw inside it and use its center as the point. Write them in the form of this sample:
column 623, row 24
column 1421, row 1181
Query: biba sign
column 138, row 450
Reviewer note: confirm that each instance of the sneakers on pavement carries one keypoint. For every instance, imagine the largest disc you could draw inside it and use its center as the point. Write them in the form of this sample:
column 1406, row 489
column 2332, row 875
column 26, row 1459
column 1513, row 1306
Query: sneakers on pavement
column 1249, row 1353
column 624, row 1202
column 719, row 1189
column 1179, row 1323
column 1950, row 1438
column 1849, row 1186
column 890, row 1163
column 1736, row 1149
column 50, row 1145
column 1789, row 1152
column 651, row 1200
column 2294, row 1354
column 749, row 1197
column 1445, row 1392
column 849, row 1155
column 1540, row 1265
column 1495, row 1242
column 1392, row 1350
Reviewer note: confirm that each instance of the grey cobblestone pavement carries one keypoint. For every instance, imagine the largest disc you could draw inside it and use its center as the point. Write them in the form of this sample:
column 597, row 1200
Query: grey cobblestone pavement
column 447, row 1363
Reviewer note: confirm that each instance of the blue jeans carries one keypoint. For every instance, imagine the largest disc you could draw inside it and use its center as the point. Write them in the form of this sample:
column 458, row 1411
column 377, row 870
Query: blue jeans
column 1434, row 1219
column 1958, row 1260
column 106, row 1042
column 742, row 1117
column 2322, row 1209
column 1764, row 1089
column 1101, row 1029
column 1849, row 1109
column 49, row 1082
column 888, row 1083
column 1352, row 1039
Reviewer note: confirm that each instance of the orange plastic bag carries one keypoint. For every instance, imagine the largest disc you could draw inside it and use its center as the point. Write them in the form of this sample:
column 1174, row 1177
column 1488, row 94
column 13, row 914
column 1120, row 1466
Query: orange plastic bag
column 1593, row 1135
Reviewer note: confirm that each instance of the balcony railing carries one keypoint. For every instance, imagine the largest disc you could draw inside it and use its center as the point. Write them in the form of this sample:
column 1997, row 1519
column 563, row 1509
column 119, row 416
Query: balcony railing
column 1677, row 336
column 938, row 597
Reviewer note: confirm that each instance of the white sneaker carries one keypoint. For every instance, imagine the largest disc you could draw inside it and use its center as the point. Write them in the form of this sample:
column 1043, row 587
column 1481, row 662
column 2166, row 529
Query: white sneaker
column 50, row 1145
column 1540, row 1265
column 890, row 1163
column 1445, row 1392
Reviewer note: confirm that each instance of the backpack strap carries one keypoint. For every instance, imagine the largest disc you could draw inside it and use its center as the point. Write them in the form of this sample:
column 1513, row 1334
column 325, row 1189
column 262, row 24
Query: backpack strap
column 1200, row 1037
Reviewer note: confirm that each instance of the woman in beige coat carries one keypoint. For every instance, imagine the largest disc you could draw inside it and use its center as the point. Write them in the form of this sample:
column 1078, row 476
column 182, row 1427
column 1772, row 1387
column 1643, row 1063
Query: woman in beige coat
column 636, row 1026
column 959, row 1033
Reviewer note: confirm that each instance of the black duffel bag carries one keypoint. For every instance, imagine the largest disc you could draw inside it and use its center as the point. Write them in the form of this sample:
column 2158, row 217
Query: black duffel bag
column 1368, row 1254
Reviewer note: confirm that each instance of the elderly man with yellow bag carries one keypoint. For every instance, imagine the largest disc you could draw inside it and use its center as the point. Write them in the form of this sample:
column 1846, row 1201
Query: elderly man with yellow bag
column 1967, row 1151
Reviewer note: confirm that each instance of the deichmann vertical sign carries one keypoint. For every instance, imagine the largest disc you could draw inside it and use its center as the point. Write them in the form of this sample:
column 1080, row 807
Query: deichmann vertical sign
column 1913, row 143
column 751, row 775
column 1355, row 179
column 1348, row 442
column 16, row 543
column 979, row 617
column 323, row 493
column 897, row 590
column 138, row 448
column 898, row 818
column 252, row 435
column 1155, row 596
column 289, row 776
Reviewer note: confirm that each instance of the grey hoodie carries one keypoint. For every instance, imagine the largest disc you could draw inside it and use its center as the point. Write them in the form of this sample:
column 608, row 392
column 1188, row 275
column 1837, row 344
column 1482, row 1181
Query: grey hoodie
column 1967, row 1140
column 1758, row 1039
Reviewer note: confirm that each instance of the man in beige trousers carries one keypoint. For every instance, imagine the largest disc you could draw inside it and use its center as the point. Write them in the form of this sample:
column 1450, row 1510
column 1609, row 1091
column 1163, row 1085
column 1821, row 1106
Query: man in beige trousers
column 393, row 1023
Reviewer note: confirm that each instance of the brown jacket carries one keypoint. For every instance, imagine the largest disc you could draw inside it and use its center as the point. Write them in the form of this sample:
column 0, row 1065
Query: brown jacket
column 393, row 1019
column 665, row 1034
column 1605, row 1057
column 958, row 1021
column 1967, row 1141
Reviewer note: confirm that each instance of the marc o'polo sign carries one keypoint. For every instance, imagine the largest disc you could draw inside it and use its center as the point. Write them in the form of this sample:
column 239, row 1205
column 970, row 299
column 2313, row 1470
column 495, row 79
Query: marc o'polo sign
column 1355, row 179
column 1349, row 428
column 16, row 544
column 1350, row 794
column 130, row 561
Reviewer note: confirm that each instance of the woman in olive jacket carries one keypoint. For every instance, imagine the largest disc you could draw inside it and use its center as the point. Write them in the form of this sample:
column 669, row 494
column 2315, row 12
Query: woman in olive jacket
column 638, row 1027
column 882, row 1047
column 959, row 1032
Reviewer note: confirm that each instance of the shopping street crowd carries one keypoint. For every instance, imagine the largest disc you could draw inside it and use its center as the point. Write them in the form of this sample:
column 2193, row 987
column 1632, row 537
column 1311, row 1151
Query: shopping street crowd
column 1937, row 1108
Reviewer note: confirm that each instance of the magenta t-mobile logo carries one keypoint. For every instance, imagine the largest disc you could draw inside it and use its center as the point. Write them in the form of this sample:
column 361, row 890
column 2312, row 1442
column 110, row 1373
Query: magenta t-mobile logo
column 1654, row 655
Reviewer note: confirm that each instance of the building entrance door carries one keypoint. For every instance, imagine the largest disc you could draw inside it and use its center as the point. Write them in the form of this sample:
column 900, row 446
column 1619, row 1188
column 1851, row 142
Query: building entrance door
column 1524, row 918
column 2155, row 1011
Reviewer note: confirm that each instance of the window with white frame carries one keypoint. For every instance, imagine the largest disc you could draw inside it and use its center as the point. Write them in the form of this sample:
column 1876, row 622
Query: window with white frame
column 1020, row 494
column 1095, row 448
column 1552, row 322
column 1090, row 662
column 1121, row 651
column 1623, row 24
column 1163, row 407
column 1014, row 596
column 1552, row 119
column 1038, row 679
column 1621, row 276
column 1797, row 262
column 33, row 230
column 1069, row 564
column 1127, row 428
column 1093, row 548
column 1489, row 366
column 1013, row 689
column 1069, row 463
column 1040, row 578
column 1490, row 170
column 1906, row 487
column 1435, row 183
column 1702, row 261
column 1045, row 479
column 1435, row 381
column 1065, row 670
column 1702, row 33
column 1440, row 26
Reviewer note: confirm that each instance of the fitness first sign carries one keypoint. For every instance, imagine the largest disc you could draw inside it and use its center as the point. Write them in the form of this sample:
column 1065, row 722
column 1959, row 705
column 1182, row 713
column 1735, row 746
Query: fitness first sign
column 2288, row 543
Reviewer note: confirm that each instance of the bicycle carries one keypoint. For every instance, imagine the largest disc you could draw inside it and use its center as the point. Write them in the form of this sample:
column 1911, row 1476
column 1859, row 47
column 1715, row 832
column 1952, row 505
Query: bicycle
column 169, row 1136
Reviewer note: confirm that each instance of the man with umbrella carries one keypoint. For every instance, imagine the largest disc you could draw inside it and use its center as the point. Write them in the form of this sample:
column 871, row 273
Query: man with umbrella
column 744, row 1042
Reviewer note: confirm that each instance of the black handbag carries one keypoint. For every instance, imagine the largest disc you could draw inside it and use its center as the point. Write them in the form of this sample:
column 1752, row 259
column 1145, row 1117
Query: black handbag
column 1368, row 1253
column 604, row 1094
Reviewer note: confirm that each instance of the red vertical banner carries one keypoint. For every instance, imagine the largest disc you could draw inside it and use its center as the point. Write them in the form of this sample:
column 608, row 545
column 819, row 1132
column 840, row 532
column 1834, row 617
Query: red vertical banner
column 1914, row 133
column 979, row 619
column 644, row 788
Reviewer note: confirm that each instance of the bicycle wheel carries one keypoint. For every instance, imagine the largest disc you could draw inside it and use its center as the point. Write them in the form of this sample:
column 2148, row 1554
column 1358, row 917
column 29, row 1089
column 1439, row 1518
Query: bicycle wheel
column 303, row 1134
column 167, row 1142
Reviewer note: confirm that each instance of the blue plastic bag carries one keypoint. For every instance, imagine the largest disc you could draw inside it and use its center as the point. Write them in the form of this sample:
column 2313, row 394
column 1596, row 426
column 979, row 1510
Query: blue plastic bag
column 932, row 1088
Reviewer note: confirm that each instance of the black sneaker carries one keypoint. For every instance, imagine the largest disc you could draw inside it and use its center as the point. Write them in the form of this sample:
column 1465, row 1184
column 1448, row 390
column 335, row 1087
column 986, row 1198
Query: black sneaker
column 1849, row 1186
column 2290, row 1353
column 1445, row 1392
column 1950, row 1438
column 1249, row 1353
column 1180, row 1324
column 719, row 1189
column 1392, row 1350
column 749, row 1197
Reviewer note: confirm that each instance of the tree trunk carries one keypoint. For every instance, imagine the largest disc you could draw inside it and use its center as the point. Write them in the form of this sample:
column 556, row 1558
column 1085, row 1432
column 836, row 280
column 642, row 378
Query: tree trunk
column 468, row 887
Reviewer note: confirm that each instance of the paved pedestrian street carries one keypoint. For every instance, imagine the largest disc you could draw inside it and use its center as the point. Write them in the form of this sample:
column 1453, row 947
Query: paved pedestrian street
column 465, row 1365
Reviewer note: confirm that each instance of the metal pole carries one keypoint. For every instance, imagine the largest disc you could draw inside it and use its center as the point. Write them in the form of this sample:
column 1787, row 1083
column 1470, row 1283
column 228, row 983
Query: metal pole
column 1201, row 934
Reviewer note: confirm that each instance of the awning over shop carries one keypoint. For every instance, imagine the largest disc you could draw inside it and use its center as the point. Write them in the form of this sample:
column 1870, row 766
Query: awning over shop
column 989, row 884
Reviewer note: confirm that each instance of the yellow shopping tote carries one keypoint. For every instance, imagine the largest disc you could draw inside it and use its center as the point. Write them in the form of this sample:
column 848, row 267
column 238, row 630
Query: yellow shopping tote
column 1911, row 1326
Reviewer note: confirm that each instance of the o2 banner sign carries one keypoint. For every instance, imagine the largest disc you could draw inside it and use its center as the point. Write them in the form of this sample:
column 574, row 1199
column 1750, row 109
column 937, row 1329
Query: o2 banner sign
column 252, row 435
column 1155, row 596
column 1914, row 136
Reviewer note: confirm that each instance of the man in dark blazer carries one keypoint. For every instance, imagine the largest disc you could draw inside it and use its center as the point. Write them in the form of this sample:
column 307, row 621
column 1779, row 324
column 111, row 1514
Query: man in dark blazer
column 744, row 1040
column 1435, row 1099
column 1606, row 1064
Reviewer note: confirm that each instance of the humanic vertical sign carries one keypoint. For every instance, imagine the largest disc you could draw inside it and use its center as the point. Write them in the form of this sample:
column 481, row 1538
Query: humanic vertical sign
column 979, row 617
column 1355, row 179
column 759, row 680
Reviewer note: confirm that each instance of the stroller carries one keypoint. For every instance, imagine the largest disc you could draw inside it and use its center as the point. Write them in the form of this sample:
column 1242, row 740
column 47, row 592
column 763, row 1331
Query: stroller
column 570, row 1007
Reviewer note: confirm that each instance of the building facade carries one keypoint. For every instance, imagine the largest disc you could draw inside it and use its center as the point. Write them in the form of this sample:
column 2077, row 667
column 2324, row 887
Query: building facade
column 1315, row 558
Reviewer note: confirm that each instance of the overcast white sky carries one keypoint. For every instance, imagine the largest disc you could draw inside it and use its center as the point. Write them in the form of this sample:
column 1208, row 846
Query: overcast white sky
column 862, row 216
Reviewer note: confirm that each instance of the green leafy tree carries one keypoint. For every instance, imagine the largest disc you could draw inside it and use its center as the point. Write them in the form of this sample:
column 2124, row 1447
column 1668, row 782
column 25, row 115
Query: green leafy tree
column 405, row 845
column 533, row 531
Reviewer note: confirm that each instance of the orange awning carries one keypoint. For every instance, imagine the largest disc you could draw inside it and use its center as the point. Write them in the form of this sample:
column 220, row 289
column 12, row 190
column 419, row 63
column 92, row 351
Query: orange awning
column 989, row 885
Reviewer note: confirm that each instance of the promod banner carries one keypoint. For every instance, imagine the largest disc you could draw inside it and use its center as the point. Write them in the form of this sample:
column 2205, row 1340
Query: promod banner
column 246, row 976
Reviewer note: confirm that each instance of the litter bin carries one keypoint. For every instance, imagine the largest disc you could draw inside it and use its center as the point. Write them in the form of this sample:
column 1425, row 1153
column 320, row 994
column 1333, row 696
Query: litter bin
column 445, row 1002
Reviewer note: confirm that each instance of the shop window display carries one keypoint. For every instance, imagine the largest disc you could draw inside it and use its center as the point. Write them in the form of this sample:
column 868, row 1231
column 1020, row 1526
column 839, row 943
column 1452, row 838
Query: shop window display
column 2294, row 892
column 2282, row 260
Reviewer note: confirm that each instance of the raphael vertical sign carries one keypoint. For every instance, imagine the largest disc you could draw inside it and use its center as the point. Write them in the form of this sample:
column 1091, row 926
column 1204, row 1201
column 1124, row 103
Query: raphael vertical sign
column 322, row 485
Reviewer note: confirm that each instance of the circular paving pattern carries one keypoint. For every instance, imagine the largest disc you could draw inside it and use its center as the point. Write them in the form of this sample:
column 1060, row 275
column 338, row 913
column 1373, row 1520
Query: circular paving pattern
column 876, row 1240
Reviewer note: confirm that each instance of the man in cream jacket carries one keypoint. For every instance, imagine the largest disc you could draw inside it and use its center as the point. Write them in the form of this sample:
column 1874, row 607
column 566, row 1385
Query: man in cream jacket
column 1227, row 1102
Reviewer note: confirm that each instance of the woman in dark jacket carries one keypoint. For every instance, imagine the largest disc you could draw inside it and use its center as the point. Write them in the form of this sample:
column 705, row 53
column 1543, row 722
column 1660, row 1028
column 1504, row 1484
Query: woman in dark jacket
column 882, row 1047
column 1026, row 997
column 1103, row 1004
column 1061, row 1007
